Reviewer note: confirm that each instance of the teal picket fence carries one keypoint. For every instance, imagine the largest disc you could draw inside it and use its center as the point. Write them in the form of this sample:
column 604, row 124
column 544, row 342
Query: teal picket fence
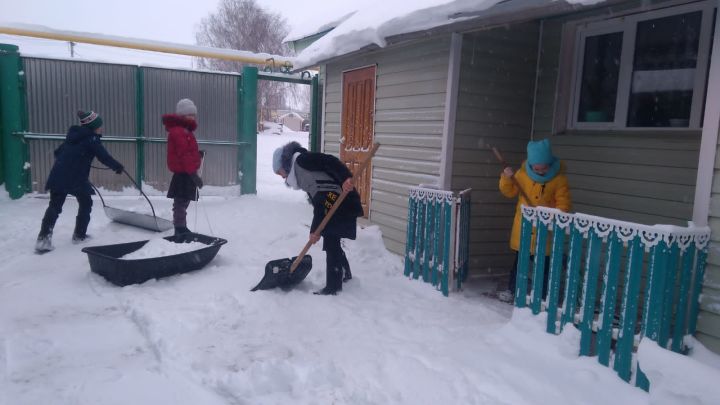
column 617, row 282
column 437, row 242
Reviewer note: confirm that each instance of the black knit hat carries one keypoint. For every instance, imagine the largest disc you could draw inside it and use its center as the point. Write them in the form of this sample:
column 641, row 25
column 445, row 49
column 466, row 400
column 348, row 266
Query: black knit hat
column 90, row 119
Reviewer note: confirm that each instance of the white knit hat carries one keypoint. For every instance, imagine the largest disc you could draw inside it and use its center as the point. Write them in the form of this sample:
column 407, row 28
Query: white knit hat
column 185, row 107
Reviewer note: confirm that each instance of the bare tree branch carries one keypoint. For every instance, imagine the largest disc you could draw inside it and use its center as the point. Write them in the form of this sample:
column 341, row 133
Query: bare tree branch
column 244, row 25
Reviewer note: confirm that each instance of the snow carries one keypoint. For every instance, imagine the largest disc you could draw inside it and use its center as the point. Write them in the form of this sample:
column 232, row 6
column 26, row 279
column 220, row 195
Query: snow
column 162, row 247
column 69, row 337
column 367, row 26
column 677, row 379
column 306, row 27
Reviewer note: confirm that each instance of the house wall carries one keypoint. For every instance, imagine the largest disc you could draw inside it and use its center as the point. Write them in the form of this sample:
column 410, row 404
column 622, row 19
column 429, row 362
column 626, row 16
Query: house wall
column 409, row 117
column 646, row 176
column 709, row 319
column 494, row 108
column 641, row 176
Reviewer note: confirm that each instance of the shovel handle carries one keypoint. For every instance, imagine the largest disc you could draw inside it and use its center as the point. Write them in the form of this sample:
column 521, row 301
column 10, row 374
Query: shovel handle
column 141, row 192
column 514, row 180
column 335, row 207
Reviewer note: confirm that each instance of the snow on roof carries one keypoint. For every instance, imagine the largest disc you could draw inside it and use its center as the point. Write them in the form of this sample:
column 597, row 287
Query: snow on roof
column 380, row 19
column 312, row 26
column 291, row 114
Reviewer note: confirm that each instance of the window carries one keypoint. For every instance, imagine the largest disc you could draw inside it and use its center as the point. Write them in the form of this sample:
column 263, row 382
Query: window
column 644, row 70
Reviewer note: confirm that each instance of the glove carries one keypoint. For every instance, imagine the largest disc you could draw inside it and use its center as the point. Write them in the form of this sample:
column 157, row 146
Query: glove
column 197, row 180
column 119, row 169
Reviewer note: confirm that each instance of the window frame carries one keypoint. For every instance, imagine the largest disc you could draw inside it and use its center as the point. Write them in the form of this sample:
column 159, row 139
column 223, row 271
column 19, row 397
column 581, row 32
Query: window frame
column 628, row 26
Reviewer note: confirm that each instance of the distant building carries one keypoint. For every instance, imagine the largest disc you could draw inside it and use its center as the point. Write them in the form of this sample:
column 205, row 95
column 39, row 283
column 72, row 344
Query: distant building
column 292, row 120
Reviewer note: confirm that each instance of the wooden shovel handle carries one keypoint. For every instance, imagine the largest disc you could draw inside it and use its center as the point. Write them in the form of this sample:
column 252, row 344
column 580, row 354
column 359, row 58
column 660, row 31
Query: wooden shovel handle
column 514, row 180
column 334, row 208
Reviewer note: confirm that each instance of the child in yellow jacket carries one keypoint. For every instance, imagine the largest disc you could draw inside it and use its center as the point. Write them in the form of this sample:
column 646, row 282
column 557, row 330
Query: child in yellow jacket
column 542, row 178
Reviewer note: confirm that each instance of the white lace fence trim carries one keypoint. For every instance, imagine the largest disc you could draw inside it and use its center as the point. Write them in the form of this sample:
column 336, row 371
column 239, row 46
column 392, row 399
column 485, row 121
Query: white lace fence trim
column 429, row 195
column 650, row 235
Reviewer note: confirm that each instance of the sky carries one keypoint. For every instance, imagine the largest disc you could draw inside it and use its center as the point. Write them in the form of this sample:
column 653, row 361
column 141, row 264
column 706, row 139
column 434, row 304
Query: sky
column 161, row 20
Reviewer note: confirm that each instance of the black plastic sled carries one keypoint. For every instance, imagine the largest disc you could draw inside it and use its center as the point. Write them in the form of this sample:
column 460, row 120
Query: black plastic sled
column 277, row 273
column 105, row 260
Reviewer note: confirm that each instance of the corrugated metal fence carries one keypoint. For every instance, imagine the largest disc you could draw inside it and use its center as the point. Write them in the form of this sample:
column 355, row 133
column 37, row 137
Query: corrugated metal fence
column 131, row 101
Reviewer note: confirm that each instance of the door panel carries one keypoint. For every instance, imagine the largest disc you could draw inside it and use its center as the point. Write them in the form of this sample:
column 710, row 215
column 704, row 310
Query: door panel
column 358, row 110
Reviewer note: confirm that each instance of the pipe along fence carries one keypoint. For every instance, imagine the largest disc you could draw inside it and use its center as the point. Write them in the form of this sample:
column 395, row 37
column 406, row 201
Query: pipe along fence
column 617, row 282
column 438, row 233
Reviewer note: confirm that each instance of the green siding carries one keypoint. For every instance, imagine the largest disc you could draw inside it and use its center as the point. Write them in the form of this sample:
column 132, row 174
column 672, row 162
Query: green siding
column 497, row 80
column 409, row 117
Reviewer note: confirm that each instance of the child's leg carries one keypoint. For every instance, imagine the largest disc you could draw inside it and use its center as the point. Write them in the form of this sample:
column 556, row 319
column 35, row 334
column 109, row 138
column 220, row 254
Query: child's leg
column 347, row 274
column 83, row 217
column 52, row 213
column 180, row 206
column 333, row 256
column 513, row 274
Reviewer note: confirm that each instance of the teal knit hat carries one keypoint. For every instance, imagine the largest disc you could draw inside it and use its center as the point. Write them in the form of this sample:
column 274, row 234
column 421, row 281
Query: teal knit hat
column 540, row 152
column 90, row 119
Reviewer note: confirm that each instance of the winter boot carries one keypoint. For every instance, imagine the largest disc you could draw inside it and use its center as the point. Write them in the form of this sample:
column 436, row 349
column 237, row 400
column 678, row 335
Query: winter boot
column 77, row 238
column 81, row 225
column 347, row 274
column 333, row 281
column 506, row 296
column 44, row 243
column 182, row 234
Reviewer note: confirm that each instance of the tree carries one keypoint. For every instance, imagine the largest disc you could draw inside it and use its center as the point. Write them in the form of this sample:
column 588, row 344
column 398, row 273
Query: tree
column 244, row 25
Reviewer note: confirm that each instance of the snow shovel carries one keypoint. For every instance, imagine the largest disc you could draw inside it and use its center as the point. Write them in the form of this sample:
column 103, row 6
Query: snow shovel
column 152, row 223
column 514, row 180
column 288, row 272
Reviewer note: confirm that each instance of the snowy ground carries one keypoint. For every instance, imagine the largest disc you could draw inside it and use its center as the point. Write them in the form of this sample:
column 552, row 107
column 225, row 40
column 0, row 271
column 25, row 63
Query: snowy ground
column 69, row 337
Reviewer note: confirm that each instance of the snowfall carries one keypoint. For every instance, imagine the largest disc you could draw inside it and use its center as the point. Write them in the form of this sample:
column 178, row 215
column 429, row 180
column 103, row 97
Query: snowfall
column 67, row 336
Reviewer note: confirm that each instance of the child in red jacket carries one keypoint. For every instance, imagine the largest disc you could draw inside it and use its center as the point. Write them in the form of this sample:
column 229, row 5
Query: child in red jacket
column 183, row 159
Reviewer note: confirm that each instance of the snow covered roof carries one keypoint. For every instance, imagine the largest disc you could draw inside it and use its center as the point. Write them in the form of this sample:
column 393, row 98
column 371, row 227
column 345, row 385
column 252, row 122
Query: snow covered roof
column 313, row 27
column 379, row 19
column 291, row 114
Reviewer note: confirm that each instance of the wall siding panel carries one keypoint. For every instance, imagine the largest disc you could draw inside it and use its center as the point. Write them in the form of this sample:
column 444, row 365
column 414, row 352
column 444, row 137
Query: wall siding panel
column 494, row 107
column 409, row 117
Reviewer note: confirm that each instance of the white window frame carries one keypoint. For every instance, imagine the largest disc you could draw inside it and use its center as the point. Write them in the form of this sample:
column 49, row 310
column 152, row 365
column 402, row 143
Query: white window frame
column 628, row 26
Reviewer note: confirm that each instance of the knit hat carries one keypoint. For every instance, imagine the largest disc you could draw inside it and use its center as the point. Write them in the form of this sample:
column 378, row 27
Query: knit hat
column 90, row 119
column 277, row 159
column 185, row 107
column 283, row 156
column 539, row 152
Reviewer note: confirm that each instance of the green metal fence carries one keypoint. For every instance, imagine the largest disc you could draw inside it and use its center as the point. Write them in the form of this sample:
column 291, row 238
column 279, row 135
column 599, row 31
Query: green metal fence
column 617, row 282
column 135, row 116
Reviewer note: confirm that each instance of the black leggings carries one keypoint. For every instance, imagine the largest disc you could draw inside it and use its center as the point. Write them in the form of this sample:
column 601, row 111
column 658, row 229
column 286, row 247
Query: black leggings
column 513, row 274
column 57, row 200
column 336, row 261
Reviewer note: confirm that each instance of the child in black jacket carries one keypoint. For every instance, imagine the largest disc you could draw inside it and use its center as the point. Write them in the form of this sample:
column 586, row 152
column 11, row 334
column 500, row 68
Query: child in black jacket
column 69, row 175
column 323, row 177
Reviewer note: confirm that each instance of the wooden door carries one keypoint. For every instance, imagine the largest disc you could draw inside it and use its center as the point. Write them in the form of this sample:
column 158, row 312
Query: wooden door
column 356, row 139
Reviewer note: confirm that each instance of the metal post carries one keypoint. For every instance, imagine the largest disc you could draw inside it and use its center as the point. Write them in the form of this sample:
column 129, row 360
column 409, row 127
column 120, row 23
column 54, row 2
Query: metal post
column 249, row 130
column 11, row 114
column 315, row 115
column 140, row 126
column 239, row 114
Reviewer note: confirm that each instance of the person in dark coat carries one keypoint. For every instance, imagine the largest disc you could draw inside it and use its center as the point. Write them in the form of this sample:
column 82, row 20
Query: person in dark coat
column 323, row 177
column 69, row 175
column 183, row 160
